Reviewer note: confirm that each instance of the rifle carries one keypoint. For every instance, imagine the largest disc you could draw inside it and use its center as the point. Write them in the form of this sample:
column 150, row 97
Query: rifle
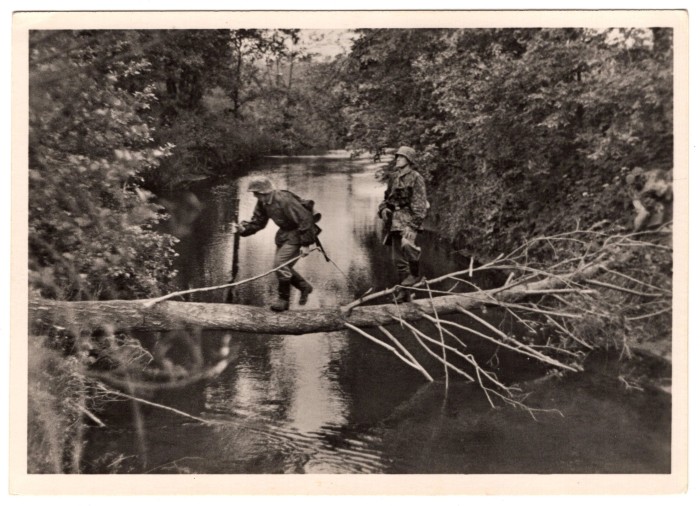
column 320, row 247
column 316, row 216
column 317, row 241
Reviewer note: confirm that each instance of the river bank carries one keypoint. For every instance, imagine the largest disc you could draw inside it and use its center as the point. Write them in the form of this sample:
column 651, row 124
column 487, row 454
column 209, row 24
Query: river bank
column 324, row 392
column 327, row 396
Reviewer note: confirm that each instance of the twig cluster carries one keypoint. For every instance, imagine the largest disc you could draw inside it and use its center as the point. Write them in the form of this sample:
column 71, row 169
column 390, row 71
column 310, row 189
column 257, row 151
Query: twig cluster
column 560, row 293
column 554, row 298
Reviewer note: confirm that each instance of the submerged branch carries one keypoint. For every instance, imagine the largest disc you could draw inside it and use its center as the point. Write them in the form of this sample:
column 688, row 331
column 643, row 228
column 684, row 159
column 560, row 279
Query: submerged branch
column 650, row 315
column 445, row 330
column 515, row 348
column 156, row 386
column 406, row 352
column 153, row 404
column 437, row 357
column 442, row 338
column 568, row 333
column 388, row 347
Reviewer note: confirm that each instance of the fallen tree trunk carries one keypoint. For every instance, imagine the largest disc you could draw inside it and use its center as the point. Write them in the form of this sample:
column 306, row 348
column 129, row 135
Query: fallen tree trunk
column 566, row 300
column 170, row 315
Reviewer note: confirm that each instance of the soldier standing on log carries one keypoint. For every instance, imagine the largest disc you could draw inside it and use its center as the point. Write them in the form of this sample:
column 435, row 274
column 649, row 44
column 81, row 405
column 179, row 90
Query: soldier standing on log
column 403, row 211
column 297, row 232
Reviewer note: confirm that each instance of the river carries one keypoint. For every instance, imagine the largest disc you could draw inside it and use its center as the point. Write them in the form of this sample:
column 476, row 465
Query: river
column 337, row 403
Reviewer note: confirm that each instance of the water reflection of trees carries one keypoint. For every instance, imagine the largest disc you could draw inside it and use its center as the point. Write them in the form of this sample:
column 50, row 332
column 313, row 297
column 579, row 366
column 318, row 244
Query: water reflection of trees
column 373, row 381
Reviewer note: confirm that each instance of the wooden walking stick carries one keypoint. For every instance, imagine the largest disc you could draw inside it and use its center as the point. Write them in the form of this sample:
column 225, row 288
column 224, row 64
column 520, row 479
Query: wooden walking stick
column 229, row 295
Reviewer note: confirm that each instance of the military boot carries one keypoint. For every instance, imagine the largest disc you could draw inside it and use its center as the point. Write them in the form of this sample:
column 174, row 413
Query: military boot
column 401, row 295
column 303, row 286
column 282, row 302
column 410, row 280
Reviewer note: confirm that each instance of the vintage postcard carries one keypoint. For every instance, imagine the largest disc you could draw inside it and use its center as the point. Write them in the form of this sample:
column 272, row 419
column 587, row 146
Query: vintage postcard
column 349, row 252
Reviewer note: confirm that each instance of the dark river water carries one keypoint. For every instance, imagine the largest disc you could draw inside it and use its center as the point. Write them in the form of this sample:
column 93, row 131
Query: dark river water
column 337, row 403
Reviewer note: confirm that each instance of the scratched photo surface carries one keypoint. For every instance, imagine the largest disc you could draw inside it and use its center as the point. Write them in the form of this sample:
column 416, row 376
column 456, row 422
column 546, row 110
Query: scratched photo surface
column 438, row 246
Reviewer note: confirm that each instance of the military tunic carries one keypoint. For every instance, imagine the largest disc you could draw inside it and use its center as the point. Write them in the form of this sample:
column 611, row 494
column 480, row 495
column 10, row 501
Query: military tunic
column 296, row 229
column 406, row 197
column 295, row 222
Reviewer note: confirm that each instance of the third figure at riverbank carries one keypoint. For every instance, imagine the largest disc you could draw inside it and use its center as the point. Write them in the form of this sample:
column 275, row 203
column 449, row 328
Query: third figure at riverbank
column 403, row 211
column 297, row 232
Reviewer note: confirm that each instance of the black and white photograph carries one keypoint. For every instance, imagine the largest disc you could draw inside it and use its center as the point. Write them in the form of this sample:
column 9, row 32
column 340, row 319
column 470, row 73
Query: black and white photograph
column 340, row 244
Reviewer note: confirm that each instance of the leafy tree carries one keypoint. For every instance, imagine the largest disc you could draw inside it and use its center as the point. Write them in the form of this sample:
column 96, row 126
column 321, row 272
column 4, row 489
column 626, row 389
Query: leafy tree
column 90, row 222
column 530, row 128
column 215, row 92
column 386, row 105
column 251, row 47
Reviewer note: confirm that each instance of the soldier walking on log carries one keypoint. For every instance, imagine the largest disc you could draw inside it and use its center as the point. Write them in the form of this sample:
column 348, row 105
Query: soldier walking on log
column 297, row 232
column 403, row 211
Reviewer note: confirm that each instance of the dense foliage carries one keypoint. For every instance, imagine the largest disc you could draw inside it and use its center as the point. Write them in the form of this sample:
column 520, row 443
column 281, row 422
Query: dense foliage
column 205, row 81
column 90, row 139
column 522, row 132
column 226, row 97
column 114, row 113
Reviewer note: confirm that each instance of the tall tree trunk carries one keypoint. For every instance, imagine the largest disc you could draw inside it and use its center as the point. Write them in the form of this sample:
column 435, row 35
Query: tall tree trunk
column 237, row 83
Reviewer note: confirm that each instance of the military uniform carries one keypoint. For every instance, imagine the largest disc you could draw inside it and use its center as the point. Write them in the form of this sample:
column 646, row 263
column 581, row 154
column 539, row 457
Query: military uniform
column 285, row 209
column 296, row 229
column 406, row 197
column 403, row 210
column 652, row 196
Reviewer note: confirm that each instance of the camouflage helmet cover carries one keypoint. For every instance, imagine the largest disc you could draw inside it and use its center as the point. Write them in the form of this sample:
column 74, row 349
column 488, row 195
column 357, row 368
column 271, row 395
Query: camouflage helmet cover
column 408, row 153
column 260, row 185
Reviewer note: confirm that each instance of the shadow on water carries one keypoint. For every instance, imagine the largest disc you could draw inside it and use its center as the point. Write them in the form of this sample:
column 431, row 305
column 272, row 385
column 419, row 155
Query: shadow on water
column 335, row 403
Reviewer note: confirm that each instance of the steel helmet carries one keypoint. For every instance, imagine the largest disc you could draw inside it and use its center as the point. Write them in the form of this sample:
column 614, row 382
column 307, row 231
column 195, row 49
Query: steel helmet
column 407, row 152
column 260, row 185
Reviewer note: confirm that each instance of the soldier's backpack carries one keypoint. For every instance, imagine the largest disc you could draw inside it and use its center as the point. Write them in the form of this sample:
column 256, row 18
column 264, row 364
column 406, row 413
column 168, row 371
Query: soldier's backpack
column 309, row 206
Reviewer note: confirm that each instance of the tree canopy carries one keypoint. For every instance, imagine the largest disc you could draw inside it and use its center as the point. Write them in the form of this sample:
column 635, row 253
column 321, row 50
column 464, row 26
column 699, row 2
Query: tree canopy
column 504, row 117
column 520, row 132
column 90, row 139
